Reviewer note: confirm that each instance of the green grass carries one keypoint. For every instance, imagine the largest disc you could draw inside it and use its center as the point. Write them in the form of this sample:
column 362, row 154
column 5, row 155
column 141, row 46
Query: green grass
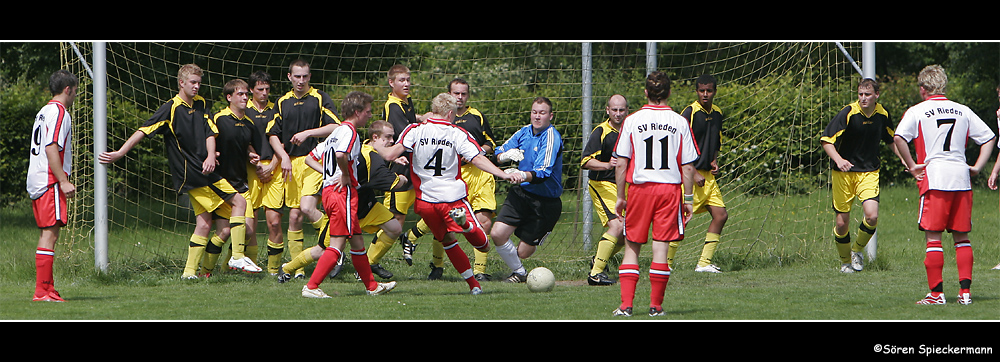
column 799, row 288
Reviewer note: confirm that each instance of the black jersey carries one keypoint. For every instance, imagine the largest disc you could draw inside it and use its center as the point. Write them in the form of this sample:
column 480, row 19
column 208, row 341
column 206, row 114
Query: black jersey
column 236, row 136
column 399, row 113
column 857, row 136
column 373, row 176
column 706, row 126
column 477, row 125
column 184, row 128
column 263, row 120
column 601, row 146
column 315, row 109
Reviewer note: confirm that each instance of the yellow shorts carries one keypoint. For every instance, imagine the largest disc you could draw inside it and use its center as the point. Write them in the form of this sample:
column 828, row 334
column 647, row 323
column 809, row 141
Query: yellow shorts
column 482, row 188
column 398, row 202
column 848, row 185
column 305, row 182
column 707, row 195
column 270, row 194
column 378, row 215
column 212, row 198
column 604, row 195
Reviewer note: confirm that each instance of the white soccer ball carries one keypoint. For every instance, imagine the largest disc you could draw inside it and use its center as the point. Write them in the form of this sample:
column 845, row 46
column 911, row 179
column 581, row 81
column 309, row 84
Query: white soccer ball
column 541, row 279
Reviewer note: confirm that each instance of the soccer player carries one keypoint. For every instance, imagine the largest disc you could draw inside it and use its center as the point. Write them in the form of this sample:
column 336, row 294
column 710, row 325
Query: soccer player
column 940, row 128
column 236, row 143
column 533, row 207
column 656, row 154
column 373, row 176
column 340, row 154
column 190, row 143
column 482, row 186
column 400, row 113
column 598, row 158
column 305, row 114
column 50, row 162
column 851, row 139
column 267, row 182
column 706, row 121
column 436, row 146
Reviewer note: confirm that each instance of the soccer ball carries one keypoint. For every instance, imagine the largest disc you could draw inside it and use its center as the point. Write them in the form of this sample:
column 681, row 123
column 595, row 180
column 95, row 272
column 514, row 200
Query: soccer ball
column 541, row 279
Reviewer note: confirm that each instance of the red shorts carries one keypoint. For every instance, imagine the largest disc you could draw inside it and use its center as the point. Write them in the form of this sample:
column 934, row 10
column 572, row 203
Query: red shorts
column 946, row 210
column 50, row 208
column 342, row 209
column 437, row 219
column 655, row 205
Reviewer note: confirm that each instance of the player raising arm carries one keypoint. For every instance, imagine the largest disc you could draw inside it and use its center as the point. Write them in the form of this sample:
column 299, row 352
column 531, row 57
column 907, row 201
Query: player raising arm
column 437, row 146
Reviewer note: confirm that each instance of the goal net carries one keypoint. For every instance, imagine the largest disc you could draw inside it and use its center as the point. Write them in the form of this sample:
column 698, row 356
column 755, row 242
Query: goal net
column 777, row 98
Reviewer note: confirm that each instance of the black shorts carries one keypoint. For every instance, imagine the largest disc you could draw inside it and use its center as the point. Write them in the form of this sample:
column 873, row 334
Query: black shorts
column 534, row 216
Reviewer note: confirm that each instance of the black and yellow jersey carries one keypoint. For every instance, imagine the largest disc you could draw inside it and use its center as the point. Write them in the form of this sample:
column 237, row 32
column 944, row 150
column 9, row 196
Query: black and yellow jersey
column 856, row 136
column 374, row 178
column 184, row 128
column 706, row 126
column 400, row 114
column 263, row 120
column 315, row 109
column 236, row 136
column 473, row 121
column 601, row 146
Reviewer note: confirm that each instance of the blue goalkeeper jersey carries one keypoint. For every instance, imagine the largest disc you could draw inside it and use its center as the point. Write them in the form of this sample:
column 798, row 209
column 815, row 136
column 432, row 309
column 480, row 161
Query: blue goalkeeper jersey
column 542, row 157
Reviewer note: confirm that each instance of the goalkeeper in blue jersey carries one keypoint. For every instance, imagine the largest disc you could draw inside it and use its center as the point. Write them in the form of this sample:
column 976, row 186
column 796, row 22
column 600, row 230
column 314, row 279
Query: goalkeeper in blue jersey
column 532, row 208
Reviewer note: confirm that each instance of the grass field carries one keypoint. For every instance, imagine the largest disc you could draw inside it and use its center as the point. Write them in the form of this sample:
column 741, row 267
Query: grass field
column 807, row 290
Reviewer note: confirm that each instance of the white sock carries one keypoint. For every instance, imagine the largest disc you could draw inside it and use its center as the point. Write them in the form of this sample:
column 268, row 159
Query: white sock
column 508, row 253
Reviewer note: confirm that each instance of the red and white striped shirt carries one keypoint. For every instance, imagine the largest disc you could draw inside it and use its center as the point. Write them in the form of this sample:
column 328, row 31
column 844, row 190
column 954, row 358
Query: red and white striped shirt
column 52, row 125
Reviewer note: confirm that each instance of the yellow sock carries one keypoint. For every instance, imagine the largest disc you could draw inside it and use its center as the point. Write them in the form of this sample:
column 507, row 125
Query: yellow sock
column 437, row 254
column 711, row 241
column 671, row 251
column 238, row 235
column 299, row 262
column 380, row 247
column 605, row 249
column 418, row 230
column 251, row 252
column 274, row 251
column 322, row 229
column 196, row 249
column 213, row 249
column 295, row 246
column 865, row 233
column 479, row 265
column 843, row 246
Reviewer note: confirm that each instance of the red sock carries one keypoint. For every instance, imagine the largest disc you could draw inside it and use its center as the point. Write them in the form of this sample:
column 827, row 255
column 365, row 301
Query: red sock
column 964, row 259
column 360, row 260
column 43, row 271
column 324, row 265
column 934, row 262
column 461, row 262
column 476, row 237
column 628, row 277
column 659, row 274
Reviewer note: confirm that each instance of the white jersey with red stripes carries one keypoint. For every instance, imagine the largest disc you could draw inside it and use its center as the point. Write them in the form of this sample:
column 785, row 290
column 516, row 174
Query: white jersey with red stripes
column 940, row 129
column 344, row 139
column 658, row 141
column 53, row 125
column 438, row 148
